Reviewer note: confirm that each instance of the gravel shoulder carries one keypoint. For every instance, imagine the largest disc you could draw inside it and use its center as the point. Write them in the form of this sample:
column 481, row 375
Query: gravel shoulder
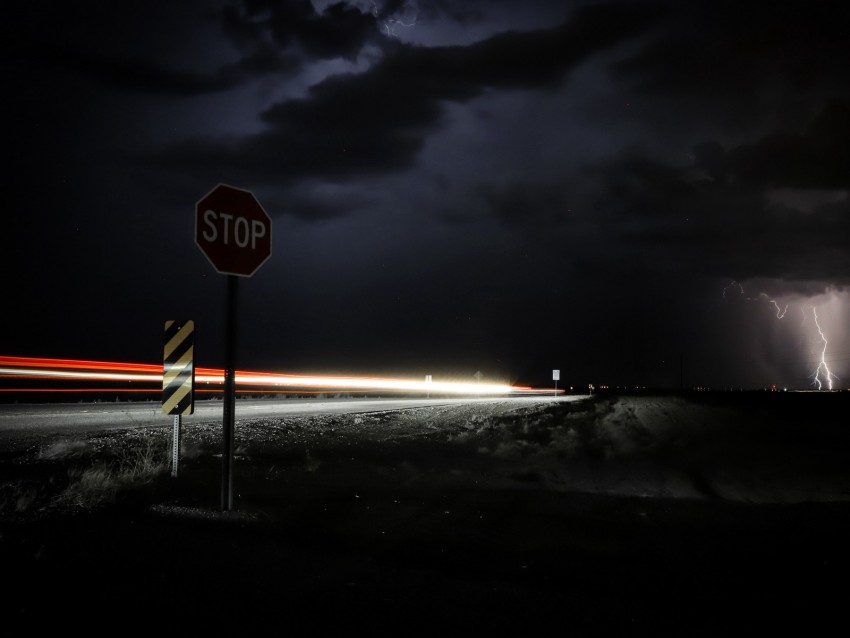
column 606, row 516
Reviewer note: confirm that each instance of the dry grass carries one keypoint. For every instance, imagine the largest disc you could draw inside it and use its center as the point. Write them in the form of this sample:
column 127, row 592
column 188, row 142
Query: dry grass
column 523, row 523
column 102, row 483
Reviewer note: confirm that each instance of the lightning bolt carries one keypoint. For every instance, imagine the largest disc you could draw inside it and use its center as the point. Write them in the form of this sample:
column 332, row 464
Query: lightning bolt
column 780, row 312
column 390, row 22
column 733, row 284
column 823, row 368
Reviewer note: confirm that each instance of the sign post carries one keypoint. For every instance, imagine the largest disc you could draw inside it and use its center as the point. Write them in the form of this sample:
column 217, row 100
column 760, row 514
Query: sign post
column 556, row 374
column 178, row 379
column 229, row 415
column 235, row 233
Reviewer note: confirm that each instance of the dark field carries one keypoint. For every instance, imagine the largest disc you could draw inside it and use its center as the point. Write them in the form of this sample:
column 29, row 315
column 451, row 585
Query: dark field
column 711, row 515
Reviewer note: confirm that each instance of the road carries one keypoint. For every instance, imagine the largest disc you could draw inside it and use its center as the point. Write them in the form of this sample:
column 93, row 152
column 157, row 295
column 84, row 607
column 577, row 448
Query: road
column 68, row 418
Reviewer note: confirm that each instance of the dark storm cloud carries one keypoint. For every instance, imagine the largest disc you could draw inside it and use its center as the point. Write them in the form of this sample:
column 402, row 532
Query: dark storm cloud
column 815, row 158
column 461, row 12
column 749, row 59
column 447, row 193
column 527, row 204
column 79, row 39
column 376, row 121
column 150, row 77
column 272, row 38
column 266, row 34
column 340, row 30
column 315, row 201
column 768, row 196
column 716, row 217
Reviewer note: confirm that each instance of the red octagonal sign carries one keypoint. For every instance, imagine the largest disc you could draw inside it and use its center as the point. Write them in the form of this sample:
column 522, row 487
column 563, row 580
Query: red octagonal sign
column 233, row 230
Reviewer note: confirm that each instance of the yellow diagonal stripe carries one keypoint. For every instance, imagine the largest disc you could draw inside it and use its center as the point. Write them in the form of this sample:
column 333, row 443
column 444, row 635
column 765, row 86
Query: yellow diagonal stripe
column 180, row 337
column 172, row 370
column 176, row 398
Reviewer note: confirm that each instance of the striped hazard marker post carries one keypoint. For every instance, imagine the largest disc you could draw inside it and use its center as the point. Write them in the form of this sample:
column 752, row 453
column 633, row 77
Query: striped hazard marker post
column 178, row 379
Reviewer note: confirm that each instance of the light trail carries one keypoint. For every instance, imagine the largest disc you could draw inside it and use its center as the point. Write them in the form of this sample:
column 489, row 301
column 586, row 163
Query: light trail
column 34, row 362
column 73, row 390
column 70, row 369
column 75, row 374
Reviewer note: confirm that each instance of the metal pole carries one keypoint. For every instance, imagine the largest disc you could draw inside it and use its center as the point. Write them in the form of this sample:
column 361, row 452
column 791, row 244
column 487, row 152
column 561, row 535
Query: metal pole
column 175, row 445
column 229, row 395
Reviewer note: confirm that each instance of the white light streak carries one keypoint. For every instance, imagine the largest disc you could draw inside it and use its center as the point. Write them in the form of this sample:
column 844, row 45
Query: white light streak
column 76, row 374
column 367, row 383
column 272, row 380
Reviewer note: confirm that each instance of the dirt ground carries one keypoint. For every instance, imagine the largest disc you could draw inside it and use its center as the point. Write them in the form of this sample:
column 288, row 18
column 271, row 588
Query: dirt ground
column 613, row 515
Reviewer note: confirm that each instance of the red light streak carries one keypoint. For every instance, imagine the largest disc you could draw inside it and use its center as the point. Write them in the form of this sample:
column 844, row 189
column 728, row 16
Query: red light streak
column 278, row 383
column 75, row 390
column 33, row 362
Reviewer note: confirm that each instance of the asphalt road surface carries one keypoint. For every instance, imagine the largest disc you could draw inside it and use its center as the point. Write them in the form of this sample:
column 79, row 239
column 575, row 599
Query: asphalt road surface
column 70, row 418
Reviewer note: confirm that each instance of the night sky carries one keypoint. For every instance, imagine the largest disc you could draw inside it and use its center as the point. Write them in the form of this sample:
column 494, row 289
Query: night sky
column 633, row 193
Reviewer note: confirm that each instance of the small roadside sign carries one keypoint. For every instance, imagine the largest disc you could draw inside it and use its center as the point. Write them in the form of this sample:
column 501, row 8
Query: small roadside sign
column 178, row 379
column 178, row 368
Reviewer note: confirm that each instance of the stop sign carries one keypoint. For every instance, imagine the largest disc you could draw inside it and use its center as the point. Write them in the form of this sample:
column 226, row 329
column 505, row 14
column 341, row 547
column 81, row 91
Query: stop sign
column 233, row 230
